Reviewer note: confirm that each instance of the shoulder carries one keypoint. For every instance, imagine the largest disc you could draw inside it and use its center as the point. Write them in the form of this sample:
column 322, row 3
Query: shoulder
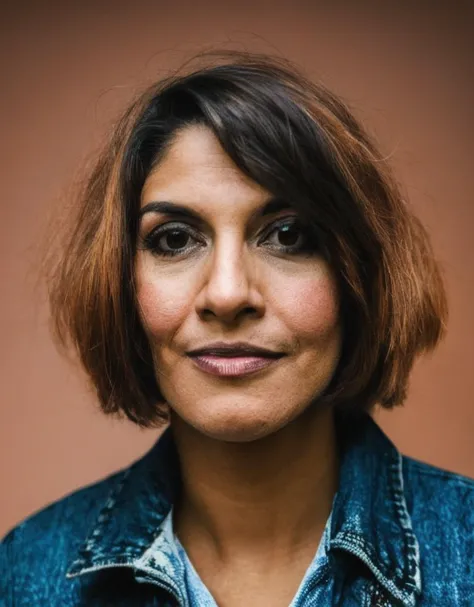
column 432, row 489
column 441, row 508
column 44, row 543
column 70, row 512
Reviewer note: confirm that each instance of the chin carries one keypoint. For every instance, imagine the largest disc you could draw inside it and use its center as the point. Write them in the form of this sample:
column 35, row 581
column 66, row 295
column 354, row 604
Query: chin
column 234, row 428
column 237, row 434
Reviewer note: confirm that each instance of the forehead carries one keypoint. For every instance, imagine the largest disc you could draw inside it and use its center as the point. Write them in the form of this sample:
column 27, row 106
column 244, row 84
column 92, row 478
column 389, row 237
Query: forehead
column 195, row 168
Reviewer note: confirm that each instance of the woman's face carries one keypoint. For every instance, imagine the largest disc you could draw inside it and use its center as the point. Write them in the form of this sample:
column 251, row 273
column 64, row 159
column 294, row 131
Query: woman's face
column 235, row 275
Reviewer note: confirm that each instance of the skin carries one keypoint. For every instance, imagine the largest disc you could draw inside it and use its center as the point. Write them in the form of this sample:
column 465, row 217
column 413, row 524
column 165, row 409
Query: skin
column 259, row 464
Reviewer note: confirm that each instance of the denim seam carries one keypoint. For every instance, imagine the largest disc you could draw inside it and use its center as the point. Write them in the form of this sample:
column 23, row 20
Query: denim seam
column 411, row 575
column 148, row 573
column 101, row 565
column 155, row 574
column 103, row 517
column 147, row 563
column 365, row 554
column 405, row 585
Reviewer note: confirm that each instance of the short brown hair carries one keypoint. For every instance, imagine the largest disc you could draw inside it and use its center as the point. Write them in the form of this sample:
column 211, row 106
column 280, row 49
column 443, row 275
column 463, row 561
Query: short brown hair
column 300, row 142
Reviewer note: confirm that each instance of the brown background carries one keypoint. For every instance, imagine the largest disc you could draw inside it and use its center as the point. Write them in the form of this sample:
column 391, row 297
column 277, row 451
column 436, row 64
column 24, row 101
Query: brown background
column 407, row 71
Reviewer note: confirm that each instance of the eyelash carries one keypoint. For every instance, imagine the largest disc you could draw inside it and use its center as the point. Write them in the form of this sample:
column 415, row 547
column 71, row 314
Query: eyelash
column 152, row 239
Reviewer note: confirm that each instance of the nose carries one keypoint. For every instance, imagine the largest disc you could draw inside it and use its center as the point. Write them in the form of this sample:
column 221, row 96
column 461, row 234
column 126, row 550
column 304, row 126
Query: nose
column 231, row 286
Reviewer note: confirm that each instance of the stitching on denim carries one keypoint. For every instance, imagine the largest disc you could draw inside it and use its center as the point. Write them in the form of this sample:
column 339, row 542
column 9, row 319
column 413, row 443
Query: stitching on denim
column 148, row 570
column 366, row 555
column 102, row 519
column 412, row 575
column 357, row 545
column 148, row 562
column 162, row 582
column 102, row 565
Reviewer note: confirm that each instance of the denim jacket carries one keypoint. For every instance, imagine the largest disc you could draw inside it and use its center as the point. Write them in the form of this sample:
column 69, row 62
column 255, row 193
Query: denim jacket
column 400, row 534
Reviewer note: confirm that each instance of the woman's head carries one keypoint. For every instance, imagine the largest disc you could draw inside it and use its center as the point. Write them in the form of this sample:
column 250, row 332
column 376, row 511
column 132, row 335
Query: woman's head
column 350, row 309
column 238, row 269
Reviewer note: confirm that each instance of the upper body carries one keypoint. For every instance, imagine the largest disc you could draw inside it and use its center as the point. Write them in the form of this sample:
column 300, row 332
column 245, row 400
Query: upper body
column 243, row 266
column 400, row 533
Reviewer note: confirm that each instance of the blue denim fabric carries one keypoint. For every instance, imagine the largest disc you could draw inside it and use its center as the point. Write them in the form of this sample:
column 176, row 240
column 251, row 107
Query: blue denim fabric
column 401, row 533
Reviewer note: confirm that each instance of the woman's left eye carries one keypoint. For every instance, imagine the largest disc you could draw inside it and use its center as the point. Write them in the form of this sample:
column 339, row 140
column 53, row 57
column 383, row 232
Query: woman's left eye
column 288, row 235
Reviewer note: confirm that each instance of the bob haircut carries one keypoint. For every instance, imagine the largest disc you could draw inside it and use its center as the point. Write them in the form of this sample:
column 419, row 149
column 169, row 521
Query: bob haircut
column 300, row 142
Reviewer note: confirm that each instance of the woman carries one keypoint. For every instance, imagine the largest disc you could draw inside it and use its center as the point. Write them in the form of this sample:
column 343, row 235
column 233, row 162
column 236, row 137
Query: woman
column 243, row 266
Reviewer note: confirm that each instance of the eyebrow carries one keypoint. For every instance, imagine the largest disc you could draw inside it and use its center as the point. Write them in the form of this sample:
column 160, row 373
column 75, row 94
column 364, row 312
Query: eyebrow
column 273, row 205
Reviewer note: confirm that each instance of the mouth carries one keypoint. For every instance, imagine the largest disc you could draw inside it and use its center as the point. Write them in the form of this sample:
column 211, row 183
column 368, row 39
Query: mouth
column 233, row 365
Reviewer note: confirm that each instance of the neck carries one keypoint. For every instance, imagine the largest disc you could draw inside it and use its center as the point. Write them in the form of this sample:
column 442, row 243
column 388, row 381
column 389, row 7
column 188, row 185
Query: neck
column 268, row 497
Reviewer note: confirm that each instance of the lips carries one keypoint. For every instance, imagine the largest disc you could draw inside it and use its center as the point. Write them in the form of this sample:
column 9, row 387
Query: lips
column 233, row 366
column 233, row 359
column 236, row 354
column 234, row 350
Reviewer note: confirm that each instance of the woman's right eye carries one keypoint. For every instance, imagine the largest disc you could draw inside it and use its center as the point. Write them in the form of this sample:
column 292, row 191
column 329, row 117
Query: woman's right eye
column 168, row 241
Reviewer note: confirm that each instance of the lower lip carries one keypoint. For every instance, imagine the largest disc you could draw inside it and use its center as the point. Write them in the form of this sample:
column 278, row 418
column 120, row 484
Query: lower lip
column 232, row 367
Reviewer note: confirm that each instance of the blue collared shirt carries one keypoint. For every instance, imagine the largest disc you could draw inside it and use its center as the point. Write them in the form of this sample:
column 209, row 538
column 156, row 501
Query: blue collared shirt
column 401, row 533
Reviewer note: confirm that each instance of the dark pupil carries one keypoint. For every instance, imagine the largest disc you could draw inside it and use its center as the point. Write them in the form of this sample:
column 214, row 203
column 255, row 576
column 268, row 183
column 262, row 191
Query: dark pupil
column 176, row 239
column 288, row 235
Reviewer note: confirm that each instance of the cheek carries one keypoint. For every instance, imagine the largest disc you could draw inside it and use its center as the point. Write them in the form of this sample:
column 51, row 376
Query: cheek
column 311, row 307
column 162, row 308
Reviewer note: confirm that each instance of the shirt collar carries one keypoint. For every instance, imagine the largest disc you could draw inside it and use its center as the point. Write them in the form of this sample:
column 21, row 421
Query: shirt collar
column 369, row 519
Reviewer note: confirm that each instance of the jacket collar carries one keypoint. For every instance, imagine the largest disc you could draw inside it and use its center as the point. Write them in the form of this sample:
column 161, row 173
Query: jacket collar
column 369, row 519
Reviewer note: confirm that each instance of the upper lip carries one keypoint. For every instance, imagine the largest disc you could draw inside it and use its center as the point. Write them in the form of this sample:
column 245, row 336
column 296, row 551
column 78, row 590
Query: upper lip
column 237, row 348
